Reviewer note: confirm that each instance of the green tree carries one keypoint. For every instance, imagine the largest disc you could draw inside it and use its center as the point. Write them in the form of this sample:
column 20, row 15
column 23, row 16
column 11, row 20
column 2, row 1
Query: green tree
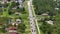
column 21, row 28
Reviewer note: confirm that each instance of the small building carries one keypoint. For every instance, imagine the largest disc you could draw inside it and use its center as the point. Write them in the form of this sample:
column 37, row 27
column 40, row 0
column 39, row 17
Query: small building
column 56, row 8
column 20, row 1
column 17, row 13
column 20, row 6
column 2, row 3
column 14, row 8
column 44, row 14
column 15, row 24
column 54, row 0
column 12, row 30
column 16, row 1
column 18, row 21
column 4, row 0
column 50, row 22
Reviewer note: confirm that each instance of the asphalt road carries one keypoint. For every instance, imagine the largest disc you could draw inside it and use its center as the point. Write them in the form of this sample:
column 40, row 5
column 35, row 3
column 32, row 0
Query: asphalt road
column 33, row 28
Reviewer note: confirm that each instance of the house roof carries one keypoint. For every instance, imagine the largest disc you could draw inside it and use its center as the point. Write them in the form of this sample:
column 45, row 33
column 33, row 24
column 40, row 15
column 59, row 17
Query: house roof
column 4, row 0
column 12, row 33
column 16, row 12
column 18, row 20
column 56, row 8
column 50, row 22
column 44, row 14
column 12, row 30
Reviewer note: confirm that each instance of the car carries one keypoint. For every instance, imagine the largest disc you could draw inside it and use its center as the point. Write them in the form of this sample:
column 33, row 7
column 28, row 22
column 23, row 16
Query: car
column 32, row 30
column 31, row 23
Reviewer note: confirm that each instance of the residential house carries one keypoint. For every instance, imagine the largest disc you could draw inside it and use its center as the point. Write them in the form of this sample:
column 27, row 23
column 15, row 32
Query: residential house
column 50, row 22
column 44, row 14
column 18, row 21
column 12, row 30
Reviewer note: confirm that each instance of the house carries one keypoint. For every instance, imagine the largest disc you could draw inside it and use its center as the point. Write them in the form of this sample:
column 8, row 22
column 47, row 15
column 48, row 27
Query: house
column 12, row 30
column 20, row 1
column 18, row 21
column 3, row 1
column 56, row 8
column 50, row 22
column 14, row 24
column 17, row 13
column 54, row 0
column 44, row 14
column 20, row 6
column 16, row 1
column 14, row 7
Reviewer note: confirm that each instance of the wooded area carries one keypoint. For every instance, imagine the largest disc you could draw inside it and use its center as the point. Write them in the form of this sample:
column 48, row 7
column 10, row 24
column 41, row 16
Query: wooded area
column 48, row 6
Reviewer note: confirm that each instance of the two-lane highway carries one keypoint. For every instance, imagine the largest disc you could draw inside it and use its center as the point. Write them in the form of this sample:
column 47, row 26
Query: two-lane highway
column 32, row 24
column 33, row 28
